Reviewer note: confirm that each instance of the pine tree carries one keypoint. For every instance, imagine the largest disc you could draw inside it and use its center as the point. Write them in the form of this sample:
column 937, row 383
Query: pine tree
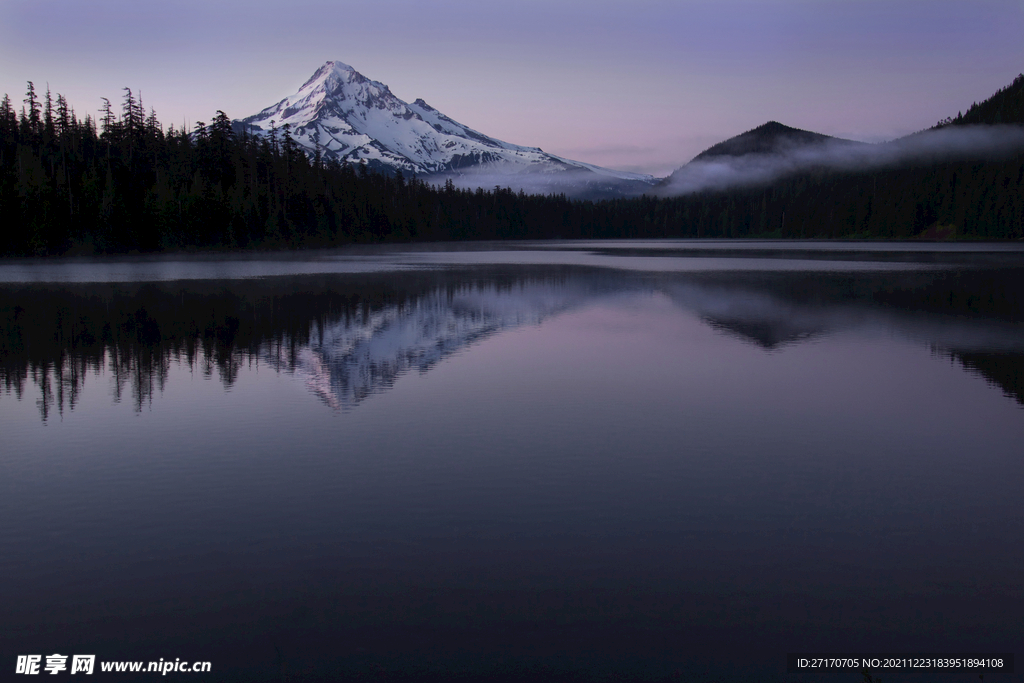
column 273, row 136
column 109, row 121
column 128, row 109
column 8, row 130
column 153, row 130
column 288, row 142
column 48, row 114
column 63, row 118
column 220, row 129
column 317, row 149
column 33, row 114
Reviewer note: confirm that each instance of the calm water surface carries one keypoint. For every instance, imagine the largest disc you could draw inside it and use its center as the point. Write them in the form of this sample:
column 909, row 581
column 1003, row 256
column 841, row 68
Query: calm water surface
column 547, row 461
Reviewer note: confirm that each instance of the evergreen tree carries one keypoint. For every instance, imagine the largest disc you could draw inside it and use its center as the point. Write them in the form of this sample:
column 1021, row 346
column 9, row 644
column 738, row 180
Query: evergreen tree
column 48, row 114
column 109, row 121
column 32, row 116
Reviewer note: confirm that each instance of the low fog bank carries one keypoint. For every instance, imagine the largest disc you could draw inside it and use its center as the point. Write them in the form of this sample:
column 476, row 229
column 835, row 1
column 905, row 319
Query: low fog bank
column 726, row 172
column 931, row 146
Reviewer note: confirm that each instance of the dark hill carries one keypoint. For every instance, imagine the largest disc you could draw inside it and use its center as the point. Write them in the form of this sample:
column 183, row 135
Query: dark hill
column 765, row 139
column 1006, row 106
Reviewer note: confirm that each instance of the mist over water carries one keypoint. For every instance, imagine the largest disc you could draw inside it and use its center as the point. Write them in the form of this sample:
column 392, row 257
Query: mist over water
column 951, row 143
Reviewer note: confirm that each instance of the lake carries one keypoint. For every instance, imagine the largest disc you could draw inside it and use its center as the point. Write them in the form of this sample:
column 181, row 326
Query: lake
column 657, row 460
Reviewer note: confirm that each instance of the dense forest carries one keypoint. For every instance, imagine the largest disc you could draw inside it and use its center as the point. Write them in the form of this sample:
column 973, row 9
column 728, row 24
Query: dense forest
column 123, row 183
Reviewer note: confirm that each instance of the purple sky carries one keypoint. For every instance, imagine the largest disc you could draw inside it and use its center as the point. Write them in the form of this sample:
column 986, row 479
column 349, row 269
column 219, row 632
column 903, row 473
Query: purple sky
column 642, row 85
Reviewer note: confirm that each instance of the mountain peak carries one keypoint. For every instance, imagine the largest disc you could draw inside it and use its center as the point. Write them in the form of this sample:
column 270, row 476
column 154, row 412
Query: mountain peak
column 774, row 127
column 345, row 115
column 767, row 138
column 330, row 68
column 334, row 66
column 338, row 65
column 334, row 77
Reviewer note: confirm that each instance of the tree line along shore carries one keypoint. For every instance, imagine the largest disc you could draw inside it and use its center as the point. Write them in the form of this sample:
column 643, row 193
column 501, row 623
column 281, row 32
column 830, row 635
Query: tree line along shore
column 122, row 183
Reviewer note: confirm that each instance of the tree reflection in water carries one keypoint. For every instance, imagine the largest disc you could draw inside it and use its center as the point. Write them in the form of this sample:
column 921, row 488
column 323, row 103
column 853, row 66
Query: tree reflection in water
column 351, row 336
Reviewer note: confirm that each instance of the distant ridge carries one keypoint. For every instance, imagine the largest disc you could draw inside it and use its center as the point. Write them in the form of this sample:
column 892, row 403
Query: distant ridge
column 767, row 138
column 757, row 156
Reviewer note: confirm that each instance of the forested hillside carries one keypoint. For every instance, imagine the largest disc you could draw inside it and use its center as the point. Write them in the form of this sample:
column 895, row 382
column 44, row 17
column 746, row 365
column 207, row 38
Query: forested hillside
column 1006, row 106
column 123, row 183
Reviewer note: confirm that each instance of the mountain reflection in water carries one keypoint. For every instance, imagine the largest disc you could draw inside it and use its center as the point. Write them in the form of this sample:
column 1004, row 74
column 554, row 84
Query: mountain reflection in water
column 352, row 336
column 596, row 465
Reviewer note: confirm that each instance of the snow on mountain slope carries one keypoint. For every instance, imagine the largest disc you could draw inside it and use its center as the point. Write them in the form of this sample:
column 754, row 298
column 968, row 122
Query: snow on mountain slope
column 351, row 359
column 351, row 117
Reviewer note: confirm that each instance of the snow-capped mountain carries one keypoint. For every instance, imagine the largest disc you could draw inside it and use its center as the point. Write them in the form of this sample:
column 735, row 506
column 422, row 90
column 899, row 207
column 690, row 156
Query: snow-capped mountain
column 351, row 117
column 350, row 359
